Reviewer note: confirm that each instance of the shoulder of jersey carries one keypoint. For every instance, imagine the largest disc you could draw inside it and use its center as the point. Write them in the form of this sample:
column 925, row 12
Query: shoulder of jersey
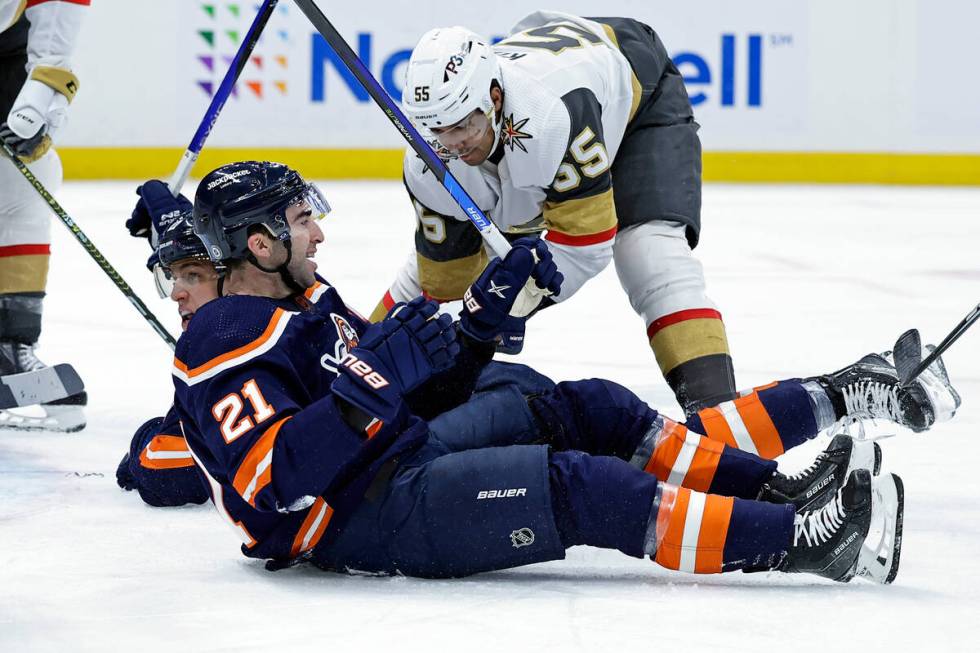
column 321, row 289
column 226, row 332
column 534, row 129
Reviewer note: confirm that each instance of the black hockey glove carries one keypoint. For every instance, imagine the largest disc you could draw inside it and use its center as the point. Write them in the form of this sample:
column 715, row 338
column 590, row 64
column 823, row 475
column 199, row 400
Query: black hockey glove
column 395, row 356
column 30, row 149
column 156, row 210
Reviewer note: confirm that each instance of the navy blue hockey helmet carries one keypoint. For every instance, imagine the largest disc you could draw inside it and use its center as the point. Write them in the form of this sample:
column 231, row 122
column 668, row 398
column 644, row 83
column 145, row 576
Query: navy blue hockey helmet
column 177, row 242
column 238, row 196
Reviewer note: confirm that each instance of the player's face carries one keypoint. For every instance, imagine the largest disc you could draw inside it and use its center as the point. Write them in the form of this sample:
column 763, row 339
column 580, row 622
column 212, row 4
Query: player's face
column 304, row 235
column 470, row 139
column 195, row 284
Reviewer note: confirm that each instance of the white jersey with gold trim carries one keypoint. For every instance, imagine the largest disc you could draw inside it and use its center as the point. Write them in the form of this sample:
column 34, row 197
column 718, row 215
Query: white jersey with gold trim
column 569, row 93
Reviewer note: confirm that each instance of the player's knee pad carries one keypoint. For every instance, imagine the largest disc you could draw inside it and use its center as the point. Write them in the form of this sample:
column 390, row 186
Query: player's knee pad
column 658, row 271
column 471, row 511
column 600, row 501
column 593, row 415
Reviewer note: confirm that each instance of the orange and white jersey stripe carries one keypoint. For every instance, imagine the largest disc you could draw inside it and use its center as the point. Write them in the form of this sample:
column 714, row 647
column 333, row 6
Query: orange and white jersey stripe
column 166, row 452
column 694, row 530
column 266, row 341
column 312, row 528
column 315, row 292
column 744, row 424
column 679, row 456
column 255, row 471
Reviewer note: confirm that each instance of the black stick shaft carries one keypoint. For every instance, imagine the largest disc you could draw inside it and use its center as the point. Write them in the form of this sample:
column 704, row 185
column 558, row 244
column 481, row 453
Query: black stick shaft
column 92, row 250
column 491, row 234
column 953, row 335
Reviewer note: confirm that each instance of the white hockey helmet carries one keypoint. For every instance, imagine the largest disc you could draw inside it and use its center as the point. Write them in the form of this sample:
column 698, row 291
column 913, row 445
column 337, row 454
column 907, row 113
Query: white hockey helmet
column 449, row 77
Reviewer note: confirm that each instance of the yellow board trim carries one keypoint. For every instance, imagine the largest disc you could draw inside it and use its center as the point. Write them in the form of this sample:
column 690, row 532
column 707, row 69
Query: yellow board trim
column 159, row 162
column 760, row 167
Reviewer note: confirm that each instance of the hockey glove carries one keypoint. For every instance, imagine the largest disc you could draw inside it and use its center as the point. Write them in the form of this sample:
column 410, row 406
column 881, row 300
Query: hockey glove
column 490, row 311
column 156, row 210
column 545, row 279
column 395, row 356
column 546, row 276
column 29, row 149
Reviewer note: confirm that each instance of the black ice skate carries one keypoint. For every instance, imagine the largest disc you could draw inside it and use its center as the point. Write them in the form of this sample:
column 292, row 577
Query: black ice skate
column 870, row 389
column 858, row 532
column 818, row 483
column 827, row 541
column 25, row 375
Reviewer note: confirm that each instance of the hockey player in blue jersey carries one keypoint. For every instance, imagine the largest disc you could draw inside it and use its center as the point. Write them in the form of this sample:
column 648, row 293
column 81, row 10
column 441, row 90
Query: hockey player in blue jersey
column 309, row 426
column 158, row 465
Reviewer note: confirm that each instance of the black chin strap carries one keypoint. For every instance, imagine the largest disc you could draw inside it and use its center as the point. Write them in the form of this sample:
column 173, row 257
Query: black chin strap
column 283, row 269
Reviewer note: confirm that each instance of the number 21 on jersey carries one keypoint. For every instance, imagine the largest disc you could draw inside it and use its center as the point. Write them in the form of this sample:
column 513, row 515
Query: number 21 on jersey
column 228, row 411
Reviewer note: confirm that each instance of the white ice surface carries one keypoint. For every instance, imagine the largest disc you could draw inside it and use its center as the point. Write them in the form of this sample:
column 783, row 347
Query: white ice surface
column 808, row 279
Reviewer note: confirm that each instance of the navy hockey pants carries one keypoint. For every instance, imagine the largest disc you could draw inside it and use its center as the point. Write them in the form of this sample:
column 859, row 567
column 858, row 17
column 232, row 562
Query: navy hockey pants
column 478, row 495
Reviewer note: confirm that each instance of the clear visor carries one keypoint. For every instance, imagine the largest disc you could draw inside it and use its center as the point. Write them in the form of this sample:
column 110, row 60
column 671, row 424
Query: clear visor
column 166, row 279
column 315, row 199
column 460, row 139
column 163, row 281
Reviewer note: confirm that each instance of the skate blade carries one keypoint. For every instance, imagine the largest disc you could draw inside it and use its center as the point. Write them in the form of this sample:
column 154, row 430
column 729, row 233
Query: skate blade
column 881, row 552
column 946, row 400
column 865, row 454
column 59, row 419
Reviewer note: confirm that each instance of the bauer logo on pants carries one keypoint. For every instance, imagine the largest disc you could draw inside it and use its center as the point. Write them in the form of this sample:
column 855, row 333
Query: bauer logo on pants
column 522, row 537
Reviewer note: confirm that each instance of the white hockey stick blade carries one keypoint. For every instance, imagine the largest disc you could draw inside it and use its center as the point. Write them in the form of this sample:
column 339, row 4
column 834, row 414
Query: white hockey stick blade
column 882, row 549
column 39, row 387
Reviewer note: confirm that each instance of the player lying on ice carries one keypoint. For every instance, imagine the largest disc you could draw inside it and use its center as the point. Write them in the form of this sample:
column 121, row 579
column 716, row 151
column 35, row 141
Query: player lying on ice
column 310, row 428
column 158, row 465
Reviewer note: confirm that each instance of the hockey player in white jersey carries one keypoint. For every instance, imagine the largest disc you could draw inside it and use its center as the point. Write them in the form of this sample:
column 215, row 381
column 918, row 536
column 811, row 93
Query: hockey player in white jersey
column 36, row 86
column 582, row 128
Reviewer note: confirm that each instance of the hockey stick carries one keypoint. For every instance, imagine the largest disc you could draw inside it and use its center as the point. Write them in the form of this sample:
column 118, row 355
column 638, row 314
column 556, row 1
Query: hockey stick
column 908, row 348
column 193, row 150
column 39, row 386
column 487, row 229
column 89, row 247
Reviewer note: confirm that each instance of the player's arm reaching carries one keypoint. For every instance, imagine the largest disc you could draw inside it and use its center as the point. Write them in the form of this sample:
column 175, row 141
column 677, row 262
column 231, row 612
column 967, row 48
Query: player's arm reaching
column 448, row 256
column 579, row 212
column 41, row 107
column 488, row 307
column 159, row 465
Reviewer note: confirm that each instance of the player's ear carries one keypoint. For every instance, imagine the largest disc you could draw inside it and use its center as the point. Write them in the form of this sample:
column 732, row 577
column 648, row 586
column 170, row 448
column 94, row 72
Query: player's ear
column 497, row 95
column 260, row 245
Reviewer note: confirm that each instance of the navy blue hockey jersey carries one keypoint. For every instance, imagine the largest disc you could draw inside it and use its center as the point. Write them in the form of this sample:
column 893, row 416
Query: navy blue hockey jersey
column 252, row 378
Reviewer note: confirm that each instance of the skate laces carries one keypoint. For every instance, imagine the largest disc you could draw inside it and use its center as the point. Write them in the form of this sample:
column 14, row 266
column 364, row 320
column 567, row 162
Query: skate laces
column 872, row 399
column 27, row 361
column 799, row 476
column 819, row 526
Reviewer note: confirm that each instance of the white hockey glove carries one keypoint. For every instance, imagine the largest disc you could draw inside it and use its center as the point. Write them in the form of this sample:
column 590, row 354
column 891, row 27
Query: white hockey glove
column 39, row 111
